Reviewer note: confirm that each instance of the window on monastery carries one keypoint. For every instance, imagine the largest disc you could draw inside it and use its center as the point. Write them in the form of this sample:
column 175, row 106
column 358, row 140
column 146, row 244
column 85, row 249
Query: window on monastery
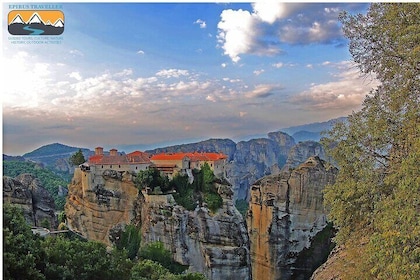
column 119, row 166
column 110, row 166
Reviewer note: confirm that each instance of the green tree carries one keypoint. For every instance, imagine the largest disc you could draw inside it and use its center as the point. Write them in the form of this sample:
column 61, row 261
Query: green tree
column 155, row 251
column 152, row 178
column 77, row 158
column 22, row 253
column 75, row 259
column 130, row 241
column 377, row 148
column 149, row 270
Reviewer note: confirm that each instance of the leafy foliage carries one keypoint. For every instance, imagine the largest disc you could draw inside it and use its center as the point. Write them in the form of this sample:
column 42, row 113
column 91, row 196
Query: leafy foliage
column 49, row 179
column 376, row 196
column 22, row 254
column 202, row 189
column 155, row 251
column 77, row 158
column 150, row 270
column 130, row 241
column 152, row 178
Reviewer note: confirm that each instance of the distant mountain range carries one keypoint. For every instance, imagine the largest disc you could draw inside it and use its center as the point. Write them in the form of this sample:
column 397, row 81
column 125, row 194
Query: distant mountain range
column 311, row 131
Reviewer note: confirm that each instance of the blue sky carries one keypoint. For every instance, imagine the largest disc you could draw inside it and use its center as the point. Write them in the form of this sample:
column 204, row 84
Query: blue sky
column 140, row 75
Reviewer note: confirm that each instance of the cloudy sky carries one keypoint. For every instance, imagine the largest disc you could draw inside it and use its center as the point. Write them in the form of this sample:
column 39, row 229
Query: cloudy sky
column 140, row 75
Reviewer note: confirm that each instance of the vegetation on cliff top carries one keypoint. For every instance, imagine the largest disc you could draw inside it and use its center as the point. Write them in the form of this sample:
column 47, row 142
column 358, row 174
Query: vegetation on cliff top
column 375, row 201
column 187, row 194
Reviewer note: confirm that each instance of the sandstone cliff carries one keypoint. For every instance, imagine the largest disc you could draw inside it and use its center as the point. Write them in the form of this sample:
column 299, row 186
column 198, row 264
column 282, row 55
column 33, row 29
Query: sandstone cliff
column 27, row 192
column 285, row 214
column 96, row 204
column 216, row 245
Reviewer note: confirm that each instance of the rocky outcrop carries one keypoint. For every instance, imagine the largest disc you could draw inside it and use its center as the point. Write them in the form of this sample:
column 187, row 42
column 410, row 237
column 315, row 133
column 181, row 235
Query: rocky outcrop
column 214, row 244
column 285, row 214
column 27, row 192
column 302, row 151
column 97, row 203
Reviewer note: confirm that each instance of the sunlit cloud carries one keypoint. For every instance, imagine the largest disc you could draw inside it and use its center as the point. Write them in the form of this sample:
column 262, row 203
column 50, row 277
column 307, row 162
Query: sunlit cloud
column 347, row 92
column 172, row 73
column 260, row 31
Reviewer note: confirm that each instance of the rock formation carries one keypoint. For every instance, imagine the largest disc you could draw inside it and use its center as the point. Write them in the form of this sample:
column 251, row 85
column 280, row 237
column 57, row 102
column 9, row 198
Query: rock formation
column 96, row 204
column 302, row 151
column 27, row 192
column 216, row 245
column 285, row 214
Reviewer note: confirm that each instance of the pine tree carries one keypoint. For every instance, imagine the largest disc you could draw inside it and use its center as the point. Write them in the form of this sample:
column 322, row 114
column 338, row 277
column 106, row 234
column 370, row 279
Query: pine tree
column 77, row 158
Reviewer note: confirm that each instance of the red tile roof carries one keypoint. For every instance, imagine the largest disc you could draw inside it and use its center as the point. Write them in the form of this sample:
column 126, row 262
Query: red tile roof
column 192, row 156
column 169, row 156
column 136, row 157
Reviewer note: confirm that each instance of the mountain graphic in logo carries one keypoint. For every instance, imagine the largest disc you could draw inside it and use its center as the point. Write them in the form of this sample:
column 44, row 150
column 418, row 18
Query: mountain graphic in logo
column 36, row 22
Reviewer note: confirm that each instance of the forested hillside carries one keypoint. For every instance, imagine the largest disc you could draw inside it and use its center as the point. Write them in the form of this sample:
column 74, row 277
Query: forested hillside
column 375, row 202
column 50, row 180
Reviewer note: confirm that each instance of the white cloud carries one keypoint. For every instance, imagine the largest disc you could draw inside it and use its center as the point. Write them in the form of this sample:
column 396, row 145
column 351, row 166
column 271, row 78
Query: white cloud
column 236, row 32
column 347, row 92
column 140, row 52
column 75, row 75
column 76, row 53
column 258, row 72
column 271, row 11
column 201, row 22
column 278, row 65
column 172, row 73
column 260, row 31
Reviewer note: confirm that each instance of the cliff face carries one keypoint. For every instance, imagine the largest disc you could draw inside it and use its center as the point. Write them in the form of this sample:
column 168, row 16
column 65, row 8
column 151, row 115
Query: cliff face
column 214, row 244
column 27, row 192
column 96, row 204
column 285, row 214
column 302, row 151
